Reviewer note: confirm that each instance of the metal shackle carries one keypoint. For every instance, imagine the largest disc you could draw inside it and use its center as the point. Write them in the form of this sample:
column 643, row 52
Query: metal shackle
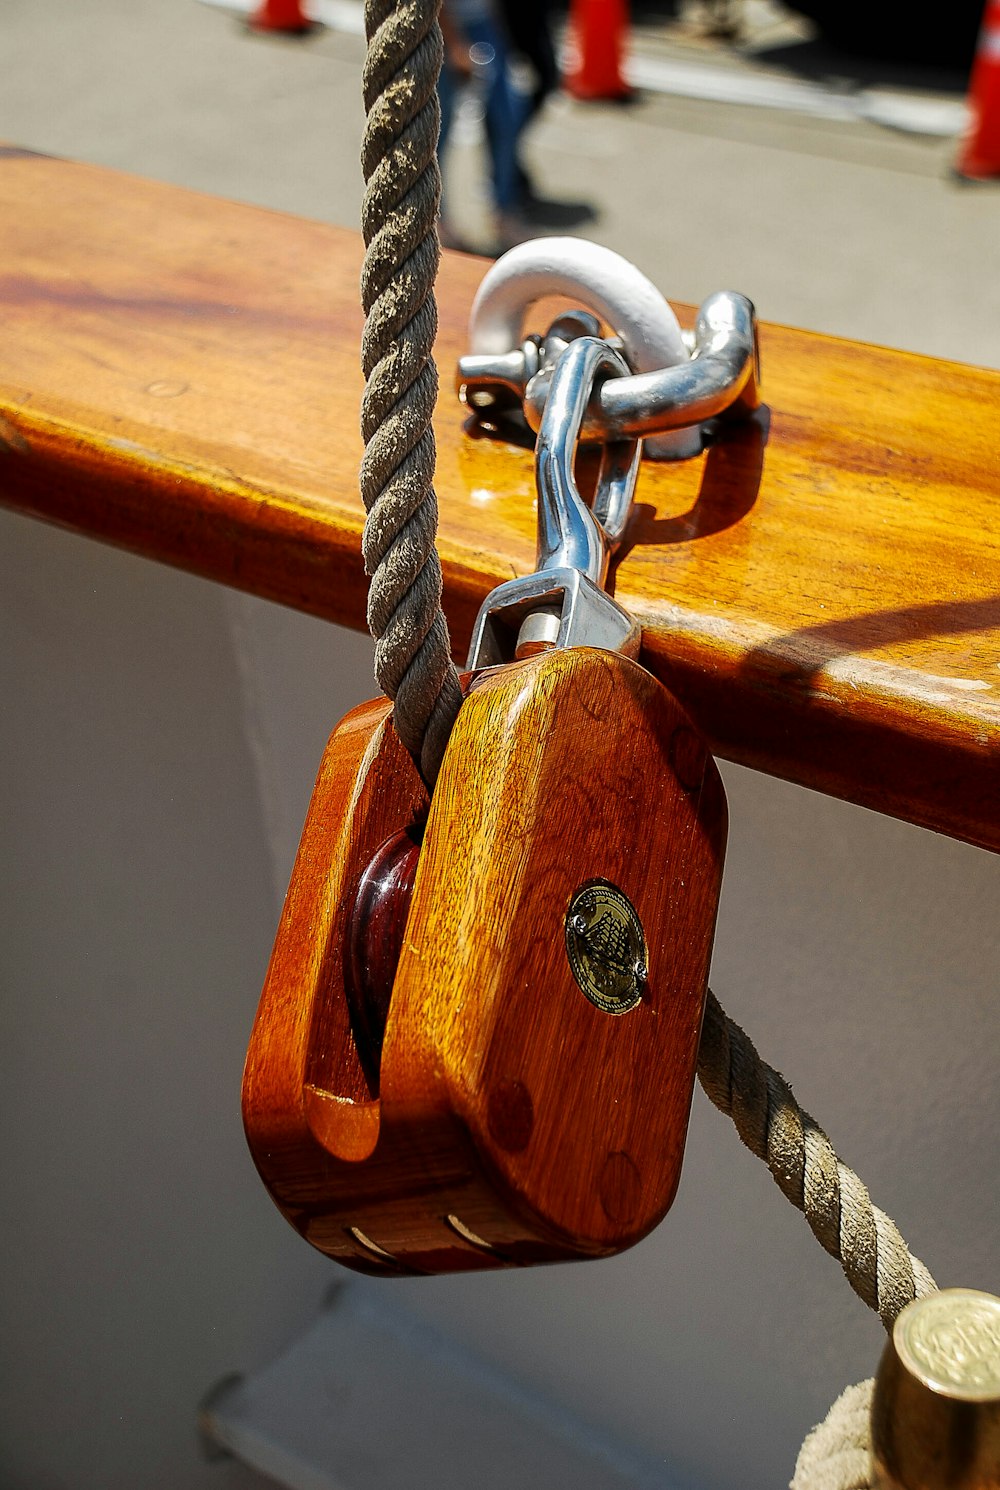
column 721, row 380
column 604, row 282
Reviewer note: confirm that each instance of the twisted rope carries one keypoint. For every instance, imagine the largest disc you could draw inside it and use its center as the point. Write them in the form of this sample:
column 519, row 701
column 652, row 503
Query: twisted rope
column 877, row 1262
column 399, row 221
column 836, row 1455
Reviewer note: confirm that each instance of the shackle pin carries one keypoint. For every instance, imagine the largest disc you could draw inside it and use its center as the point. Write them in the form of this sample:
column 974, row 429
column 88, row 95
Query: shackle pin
column 721, row 380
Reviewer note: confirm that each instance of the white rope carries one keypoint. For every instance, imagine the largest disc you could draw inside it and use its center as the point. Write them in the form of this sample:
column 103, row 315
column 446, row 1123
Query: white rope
column 836, row 1455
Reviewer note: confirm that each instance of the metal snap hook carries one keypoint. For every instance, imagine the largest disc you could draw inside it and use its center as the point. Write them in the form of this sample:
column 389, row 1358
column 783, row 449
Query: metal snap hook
column 569, row 532
column 563, row 603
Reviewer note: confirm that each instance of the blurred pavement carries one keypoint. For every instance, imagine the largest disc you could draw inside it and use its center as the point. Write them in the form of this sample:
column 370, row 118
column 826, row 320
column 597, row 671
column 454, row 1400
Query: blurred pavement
column 839, row 225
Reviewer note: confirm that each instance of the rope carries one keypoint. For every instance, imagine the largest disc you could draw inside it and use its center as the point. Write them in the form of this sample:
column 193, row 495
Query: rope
column 836, row 1455
column 877, row 1262
column 399, row 220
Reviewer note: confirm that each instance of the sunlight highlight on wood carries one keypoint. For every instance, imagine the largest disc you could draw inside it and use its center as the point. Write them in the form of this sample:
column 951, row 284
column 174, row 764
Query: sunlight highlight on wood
column 179, row 376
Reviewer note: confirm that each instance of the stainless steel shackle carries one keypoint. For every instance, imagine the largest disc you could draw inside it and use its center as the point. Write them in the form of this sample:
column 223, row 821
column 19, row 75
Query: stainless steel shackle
column 676, row 382
column 722, row 380
column 603, row 282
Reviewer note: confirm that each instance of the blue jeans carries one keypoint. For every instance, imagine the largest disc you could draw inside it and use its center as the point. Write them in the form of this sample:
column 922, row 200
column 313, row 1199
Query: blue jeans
column 506, row 111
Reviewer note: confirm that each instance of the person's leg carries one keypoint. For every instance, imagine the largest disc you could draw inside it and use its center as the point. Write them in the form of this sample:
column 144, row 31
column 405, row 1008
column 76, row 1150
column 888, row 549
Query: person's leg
column 448, row 85
column 528, row 27
column 502, row 109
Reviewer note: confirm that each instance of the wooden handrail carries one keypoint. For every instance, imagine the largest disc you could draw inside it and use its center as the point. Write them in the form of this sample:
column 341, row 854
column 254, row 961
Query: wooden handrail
column 179, row 376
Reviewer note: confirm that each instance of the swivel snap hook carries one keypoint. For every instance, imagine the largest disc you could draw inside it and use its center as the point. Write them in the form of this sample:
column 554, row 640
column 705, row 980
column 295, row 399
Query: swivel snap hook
column 563, row 604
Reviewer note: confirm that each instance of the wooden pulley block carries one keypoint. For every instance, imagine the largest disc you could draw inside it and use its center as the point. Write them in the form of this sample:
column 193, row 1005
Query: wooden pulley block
column 477, row 1040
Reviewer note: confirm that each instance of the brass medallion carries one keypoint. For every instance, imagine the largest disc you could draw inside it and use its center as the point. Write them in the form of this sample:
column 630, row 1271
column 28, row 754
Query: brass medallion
column 951, row 1341
column 606, row 947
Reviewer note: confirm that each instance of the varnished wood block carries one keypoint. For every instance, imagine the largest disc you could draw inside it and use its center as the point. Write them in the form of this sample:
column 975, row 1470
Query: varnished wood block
column 514, row 1117
column 821, row 590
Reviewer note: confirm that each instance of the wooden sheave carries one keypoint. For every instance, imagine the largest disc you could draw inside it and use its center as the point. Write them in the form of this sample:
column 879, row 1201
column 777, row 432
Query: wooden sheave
column 821, row 590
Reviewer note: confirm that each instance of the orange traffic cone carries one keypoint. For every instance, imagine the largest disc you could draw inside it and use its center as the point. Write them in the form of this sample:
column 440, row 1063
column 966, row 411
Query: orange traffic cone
column 280, row 15
column 599, row 30
column 979, row 158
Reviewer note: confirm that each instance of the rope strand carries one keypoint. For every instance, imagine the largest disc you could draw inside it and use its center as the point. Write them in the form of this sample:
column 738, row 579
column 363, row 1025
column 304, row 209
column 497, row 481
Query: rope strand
column 836, row 1454
column 399, row 220
column 876, row 1261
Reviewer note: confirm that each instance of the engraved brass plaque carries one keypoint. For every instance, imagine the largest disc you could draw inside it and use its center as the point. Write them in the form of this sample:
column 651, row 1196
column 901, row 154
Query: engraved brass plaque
column 606, row 946
column 951, row 1341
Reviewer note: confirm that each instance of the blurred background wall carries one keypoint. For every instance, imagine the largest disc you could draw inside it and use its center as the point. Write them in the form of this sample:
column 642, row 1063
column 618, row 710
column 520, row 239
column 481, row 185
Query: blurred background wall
column 158, row 743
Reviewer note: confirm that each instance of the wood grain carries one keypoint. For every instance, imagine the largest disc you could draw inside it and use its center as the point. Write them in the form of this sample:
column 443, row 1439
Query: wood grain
column 179, row 375
column 514, row 1121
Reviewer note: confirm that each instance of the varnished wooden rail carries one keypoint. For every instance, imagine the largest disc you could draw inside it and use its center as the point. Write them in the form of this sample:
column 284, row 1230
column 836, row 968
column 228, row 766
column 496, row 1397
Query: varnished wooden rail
column 179, row 376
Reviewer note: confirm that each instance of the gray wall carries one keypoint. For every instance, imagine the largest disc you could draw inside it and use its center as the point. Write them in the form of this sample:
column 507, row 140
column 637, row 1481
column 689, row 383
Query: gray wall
column 158, row 743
